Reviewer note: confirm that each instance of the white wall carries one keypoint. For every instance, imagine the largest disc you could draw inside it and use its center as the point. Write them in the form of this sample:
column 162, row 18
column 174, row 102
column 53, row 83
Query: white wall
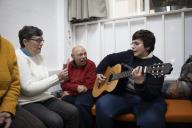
column 48, row 15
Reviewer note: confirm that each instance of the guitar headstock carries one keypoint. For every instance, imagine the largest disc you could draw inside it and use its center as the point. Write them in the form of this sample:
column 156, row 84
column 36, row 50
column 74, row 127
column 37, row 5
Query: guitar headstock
column 160, row 69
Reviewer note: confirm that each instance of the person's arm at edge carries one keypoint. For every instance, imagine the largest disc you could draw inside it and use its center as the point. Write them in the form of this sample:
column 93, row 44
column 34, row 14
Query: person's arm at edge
column 10, row 99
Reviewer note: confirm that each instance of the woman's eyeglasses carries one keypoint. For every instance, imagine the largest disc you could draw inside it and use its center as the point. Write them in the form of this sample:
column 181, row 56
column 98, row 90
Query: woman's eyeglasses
column 38, row 40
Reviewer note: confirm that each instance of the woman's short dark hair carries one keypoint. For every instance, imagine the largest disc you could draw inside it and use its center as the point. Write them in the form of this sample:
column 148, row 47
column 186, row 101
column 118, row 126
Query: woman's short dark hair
column 147, row 37
column 27, row 32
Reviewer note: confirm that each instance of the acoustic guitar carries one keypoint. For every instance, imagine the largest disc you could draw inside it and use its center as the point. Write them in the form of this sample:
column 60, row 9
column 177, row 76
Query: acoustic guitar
column 113, row 74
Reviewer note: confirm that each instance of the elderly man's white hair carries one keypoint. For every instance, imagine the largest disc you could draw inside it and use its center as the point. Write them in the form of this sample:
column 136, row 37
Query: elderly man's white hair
column 75, row 47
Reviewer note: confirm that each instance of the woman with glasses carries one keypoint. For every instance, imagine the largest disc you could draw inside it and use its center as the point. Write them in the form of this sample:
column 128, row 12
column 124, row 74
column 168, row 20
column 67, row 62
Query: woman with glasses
column 35, row 82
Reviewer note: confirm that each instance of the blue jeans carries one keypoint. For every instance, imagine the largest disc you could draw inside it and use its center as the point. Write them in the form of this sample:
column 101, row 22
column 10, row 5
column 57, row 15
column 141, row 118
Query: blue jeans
column 148, row 114
column 84, row 103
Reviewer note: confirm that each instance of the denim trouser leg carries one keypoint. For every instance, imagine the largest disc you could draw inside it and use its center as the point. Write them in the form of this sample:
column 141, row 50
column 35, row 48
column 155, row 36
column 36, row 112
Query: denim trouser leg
column 151, row 114
column 109, row 106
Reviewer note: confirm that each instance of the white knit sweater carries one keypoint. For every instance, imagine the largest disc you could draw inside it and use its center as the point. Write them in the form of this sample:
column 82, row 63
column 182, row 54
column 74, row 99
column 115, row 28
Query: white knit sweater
column 34, row 77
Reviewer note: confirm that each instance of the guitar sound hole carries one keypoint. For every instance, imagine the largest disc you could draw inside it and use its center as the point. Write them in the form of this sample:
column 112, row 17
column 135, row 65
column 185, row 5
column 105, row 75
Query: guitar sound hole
column 110, row 78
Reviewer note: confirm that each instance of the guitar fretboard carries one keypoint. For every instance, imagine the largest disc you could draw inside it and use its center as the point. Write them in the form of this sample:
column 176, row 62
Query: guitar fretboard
column 121, row 75
column 124, row 74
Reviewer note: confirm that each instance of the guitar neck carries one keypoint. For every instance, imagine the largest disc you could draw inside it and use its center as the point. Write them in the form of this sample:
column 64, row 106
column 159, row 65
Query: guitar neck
column 156, row 70
column 121, row 75
column 125, row 74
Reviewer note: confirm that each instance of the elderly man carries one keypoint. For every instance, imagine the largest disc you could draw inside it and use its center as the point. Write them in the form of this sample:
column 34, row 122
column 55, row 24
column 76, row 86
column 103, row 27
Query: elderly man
column 77, row 89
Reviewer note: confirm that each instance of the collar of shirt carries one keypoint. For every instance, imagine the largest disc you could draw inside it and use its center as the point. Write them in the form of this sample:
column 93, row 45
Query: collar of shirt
column 25, row 52
column 149, row 56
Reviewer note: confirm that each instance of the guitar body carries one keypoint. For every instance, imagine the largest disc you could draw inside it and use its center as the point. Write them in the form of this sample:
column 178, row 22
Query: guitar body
column 107, row 85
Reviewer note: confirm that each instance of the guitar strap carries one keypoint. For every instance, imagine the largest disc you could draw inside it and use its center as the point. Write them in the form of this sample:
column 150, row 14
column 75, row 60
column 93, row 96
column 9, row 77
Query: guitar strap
column 127, row 66
column 130, row 84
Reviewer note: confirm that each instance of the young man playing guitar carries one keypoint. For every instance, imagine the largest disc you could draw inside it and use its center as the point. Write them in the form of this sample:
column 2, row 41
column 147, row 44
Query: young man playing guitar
column 143, row 97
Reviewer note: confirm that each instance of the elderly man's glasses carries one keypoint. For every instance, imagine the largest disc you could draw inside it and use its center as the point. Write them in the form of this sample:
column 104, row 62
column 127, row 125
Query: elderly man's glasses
column 37, row 40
